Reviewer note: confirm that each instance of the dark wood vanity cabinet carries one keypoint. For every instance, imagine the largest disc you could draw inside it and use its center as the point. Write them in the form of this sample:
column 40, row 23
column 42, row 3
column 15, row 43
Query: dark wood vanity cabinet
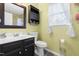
column 19, row 48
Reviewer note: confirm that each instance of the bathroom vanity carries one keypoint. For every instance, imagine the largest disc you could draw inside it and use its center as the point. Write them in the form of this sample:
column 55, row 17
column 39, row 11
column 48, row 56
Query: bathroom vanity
column 18, row 46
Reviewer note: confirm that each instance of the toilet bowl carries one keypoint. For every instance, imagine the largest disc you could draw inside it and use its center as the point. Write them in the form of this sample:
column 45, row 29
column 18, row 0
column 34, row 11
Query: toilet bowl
column 40, row 45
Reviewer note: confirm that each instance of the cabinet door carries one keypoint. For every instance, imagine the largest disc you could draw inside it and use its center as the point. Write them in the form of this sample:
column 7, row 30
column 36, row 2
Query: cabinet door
column 17, row 52
column 11, row 46
column 29, row 51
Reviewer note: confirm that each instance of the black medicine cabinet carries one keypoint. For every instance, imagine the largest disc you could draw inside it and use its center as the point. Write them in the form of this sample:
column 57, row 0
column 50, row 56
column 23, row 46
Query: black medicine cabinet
column 34, row 15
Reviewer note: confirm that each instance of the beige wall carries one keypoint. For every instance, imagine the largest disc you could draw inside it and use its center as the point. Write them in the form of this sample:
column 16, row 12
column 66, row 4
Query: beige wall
column 71, row 44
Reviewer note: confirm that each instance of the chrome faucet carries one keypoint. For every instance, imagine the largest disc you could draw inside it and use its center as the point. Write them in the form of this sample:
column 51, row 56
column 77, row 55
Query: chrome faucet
column 2, row 35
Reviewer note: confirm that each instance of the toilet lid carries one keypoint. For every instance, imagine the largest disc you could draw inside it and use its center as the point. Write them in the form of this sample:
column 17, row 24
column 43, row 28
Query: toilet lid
column 41, row 44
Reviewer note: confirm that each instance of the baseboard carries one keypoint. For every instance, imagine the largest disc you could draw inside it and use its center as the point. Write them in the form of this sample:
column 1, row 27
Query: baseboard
column 52, row 52
column 48, row 52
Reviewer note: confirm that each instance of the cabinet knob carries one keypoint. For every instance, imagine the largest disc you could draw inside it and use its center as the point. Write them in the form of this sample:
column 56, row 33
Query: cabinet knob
column 19, row 52
column 25, row 49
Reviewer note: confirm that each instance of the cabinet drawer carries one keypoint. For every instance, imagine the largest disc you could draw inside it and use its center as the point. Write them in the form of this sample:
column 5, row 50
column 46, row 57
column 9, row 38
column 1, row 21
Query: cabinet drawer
column 11, row 46
column 28, row 41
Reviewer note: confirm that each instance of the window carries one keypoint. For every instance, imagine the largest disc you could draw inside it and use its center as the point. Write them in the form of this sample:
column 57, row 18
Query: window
column 59, row 14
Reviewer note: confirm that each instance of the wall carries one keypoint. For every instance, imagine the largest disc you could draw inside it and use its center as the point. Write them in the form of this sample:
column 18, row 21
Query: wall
column 44, row 35
column 71, row 44
column 28, row 26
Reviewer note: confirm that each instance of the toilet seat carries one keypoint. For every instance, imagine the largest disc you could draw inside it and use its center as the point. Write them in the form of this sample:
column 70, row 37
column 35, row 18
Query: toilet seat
column 41, row 44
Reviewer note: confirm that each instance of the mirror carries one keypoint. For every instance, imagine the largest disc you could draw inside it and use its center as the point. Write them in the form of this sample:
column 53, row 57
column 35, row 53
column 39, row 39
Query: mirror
column 14, row 15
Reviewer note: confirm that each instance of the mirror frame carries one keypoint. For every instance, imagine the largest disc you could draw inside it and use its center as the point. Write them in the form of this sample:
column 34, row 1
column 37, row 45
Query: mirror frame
column 24, row 19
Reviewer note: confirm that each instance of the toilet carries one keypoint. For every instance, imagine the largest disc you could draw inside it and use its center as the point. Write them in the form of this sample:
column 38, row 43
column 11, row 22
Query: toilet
column 40, row 45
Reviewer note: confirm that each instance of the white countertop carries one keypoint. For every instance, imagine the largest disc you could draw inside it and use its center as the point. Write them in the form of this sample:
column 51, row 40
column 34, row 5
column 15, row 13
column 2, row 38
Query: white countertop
column 11, row 39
